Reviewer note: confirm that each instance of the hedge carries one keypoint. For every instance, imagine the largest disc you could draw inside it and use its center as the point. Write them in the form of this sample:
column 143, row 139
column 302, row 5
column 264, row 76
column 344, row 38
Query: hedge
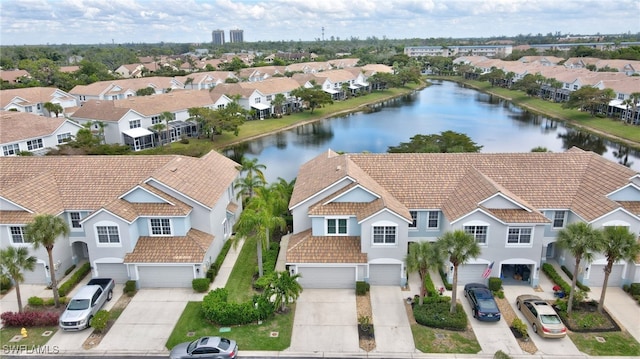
column 130, row 288
column 443, row 275
column 29, row 319
column 270, row 257
column 634, row 289
column 435, row 313
column 578, row 283
column 495, row 284
column 212, row 272
column 75, row 278
column 200, row 285
column 5, row 284
column 35, row 301
column 362, row 288
column 217, row 310
column 555, row 277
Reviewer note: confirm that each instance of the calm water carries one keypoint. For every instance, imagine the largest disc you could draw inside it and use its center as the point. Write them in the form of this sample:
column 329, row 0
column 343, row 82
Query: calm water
column 496, row 124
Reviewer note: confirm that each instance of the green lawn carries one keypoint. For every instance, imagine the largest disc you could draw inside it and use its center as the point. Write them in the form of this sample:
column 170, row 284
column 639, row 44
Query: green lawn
column 616, row 344
column 239, row 284
column 453, row 342
column 34, row 336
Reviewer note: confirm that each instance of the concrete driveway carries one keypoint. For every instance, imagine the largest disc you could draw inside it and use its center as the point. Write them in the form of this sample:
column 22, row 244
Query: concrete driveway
column 148, row 320
column 390, row 322
column 326, row 321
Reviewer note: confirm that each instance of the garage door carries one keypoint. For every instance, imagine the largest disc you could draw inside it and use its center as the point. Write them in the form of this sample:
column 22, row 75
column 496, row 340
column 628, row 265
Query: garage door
column 471, row 273
column 165, row 276
column 596, row 277
column 327, row 277
column 117, row 271
column 37, row 276
column 384, row 274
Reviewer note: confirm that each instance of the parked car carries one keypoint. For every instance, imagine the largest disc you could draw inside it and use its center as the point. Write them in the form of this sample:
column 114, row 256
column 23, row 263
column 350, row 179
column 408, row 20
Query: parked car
column 206, row 347
column 483, row 305
column 543, row 318
column 86, row 303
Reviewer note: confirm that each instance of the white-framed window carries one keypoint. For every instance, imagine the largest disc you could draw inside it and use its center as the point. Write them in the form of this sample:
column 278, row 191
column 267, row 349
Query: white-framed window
column 28, row 109
column 17, row 235
column 155, row 120
column 257, row 100
column 269, row 97
column 220, row 107
column 414, row 219
column 134, row 123
column 337, row 226
column 519, row 235
column 75, row 219
column 64, row 137
column 11, row 150
column 225, row 227
column 160, row 226
column 478, row 232
column 34, row 144
column 433, row 220
column 559, row 217
column 108, row 234
column 384, row 235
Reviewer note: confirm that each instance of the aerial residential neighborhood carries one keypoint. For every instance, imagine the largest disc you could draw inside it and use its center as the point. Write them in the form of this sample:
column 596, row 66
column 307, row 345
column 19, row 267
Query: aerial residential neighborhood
column 265, row 179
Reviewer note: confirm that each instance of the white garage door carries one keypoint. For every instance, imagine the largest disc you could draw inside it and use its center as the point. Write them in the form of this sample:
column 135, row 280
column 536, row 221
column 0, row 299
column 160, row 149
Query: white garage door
column 471, row 273
column 596, row 277
column 37, row 276
column 117, row 271
column 384, row 274
column 165, row 276
column 327, row 277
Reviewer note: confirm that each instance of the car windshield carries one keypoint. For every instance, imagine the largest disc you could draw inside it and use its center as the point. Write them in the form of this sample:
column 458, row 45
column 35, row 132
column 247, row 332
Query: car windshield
column 550, row 319
column 224, row 343
column 78, row 304
column 192, row 346
column 487, row 305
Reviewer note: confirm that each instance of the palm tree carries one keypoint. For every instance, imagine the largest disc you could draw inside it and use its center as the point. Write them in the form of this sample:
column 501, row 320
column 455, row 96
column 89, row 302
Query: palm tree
column 246, row 187
column 158, row 127
column 283, row 289
column 43, row 231
column 12, row 262
column 167, row 117
column 277, row 102
column 459, row 246
column 618, row 244
column 581, row 240
column 423, row 256
column 251, row 168
column 53, row 108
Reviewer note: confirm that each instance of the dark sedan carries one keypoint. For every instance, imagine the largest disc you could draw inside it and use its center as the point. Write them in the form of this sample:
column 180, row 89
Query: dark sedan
column 206, row 347
column 483, row 305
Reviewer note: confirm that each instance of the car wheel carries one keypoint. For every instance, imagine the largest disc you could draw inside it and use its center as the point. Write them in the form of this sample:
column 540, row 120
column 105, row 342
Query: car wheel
column 465, row 293
column 535, row 328
column 109, row 295
column 518, row 305
column 474, row 313
column 89, row 321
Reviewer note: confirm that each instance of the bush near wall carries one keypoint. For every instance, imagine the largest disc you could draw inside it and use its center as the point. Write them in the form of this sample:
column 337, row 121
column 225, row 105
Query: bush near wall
column 429, row 286
column 495, row 284
column 555, row 277
column 214, row 268
column 130, row 288
column 443, row 275
column 578, row 283
column 75, row 278
column 200, row 285
column 362, row 287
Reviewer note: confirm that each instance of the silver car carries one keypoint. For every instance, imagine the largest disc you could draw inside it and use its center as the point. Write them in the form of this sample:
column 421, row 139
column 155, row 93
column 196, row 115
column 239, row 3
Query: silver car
column 206, row 347
column 543, row 318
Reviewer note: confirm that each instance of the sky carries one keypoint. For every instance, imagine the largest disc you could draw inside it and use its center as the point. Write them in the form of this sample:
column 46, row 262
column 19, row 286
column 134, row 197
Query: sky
column 40, row 22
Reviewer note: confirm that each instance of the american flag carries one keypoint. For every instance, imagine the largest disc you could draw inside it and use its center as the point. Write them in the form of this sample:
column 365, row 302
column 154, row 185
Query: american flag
column 487, row 272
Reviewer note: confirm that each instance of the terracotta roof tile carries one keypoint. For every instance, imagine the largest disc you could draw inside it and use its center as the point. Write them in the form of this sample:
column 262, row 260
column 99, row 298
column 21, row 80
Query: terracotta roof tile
column 518, row 216
column 16, row 217
column 17, row 126
column 305, row 248
column 187, row 249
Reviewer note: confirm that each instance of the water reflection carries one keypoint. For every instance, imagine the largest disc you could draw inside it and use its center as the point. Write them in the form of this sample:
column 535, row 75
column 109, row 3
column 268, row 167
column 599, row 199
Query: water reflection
column 496, row 124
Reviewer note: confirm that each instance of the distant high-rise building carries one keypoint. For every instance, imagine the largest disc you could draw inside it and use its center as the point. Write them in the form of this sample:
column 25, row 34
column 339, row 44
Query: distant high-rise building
column 236, row 35
column 217, row 37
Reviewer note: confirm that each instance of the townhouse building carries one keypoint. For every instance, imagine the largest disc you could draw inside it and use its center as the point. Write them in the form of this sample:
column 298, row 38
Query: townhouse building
column 121, row 89
column 27, row 132
column 32, row 100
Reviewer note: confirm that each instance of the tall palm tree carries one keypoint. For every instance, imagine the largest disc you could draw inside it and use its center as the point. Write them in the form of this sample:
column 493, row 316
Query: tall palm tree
column 43, row 231
column 246, row 188
column 283, row 289
column 618, row 244
column 459, row 246
column 167, row 117
column 12, row 262
column 251, row 168
column 423, row 256
column 158, row 128
column 277, row 102
column 581, row 240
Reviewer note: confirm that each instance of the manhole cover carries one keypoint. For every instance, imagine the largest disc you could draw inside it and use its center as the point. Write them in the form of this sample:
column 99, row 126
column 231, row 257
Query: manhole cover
column 601, row 340
column 16, row 338
column 273, row 334
column 47, row 333
column 190, row 334
column 440, row 336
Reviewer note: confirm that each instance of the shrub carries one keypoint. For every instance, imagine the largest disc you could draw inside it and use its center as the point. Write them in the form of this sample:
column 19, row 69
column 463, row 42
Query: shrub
column 5, row 284
column 130, row 288
column 435, row 313
column 520, row 327
column 555, row 277
column 501, row 355
column 269, row 266
column 495, row 284
column 75, row 278
column 200, row 285
column 211, row 273
column 100, row 320
column 362, row 288
column 443, row 275
column 35, row 301
column 578, row 283
column 70, row 269
column 429, row 286
column 29, row 319
column 216, row 309
column 184, row 141
column 499, row 294
column 634, row 289
column 626, row 288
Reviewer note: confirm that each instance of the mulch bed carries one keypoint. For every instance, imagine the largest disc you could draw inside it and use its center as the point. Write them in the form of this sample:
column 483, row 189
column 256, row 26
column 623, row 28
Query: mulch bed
column 367, row 340
column 584, row 308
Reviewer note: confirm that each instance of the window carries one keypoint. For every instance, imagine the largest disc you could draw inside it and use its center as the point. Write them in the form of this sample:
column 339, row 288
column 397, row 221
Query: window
column 384, row 235
column 519, row 236
column 478, row 232
column 155, row 120
column 558, row 219
column 134, row 123
column 220, row 107
column 432, row 223
column 269, row 98
column 64, row 137
column 75, row 220
column 34, row 144
column 17, row 235
column 11, row 150
column 337, row 226
column 257, row 100
column 28, row 109
column 160, row 227
column 108, row 234
column 414, row 218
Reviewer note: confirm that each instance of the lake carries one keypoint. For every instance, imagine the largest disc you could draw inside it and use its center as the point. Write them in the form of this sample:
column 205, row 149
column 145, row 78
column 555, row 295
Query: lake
column 494, row 123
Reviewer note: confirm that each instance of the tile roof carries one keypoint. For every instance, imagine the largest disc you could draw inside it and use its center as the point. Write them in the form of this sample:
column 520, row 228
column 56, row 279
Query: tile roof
column 191, row 248
column 305, row 248
column 16, row 217
column 33, row 95
column 132, row 84
column 458, row 182
column 18, row 126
